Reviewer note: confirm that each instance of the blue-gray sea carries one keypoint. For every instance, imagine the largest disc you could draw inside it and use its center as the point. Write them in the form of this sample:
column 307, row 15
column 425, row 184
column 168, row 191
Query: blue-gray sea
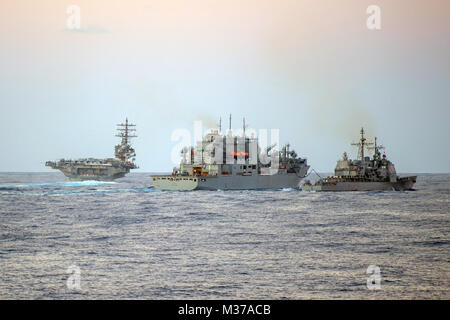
column 130, row 241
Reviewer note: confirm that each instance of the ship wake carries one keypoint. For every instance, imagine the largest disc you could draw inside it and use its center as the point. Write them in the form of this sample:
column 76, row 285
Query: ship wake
column 58, row 184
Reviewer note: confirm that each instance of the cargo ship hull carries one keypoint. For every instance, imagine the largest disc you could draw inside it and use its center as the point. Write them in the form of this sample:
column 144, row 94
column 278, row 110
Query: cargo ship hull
column 232, row 182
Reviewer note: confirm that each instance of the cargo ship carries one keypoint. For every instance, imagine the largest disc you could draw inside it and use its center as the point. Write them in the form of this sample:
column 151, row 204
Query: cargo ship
column 234, row 162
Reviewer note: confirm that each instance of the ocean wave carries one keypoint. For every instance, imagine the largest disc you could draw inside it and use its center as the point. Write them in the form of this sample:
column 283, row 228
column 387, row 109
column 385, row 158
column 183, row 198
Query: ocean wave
column 58, row 184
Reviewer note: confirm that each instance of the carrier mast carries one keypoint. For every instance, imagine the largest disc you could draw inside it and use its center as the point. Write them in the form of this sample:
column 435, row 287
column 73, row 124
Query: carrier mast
column 123, row 131
column 124, row 151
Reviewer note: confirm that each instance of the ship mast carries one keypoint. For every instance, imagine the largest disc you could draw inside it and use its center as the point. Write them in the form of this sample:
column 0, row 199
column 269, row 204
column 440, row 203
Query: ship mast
column 361, row 145
column 123, row 131
column 124, row 151
column 376, row 149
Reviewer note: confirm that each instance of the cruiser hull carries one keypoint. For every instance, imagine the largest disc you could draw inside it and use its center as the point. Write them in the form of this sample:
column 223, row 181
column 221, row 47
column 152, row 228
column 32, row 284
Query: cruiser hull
column 401, row 185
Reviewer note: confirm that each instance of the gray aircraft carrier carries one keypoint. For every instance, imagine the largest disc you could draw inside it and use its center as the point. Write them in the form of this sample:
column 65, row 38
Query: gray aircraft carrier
column 102, row 169
column 232, row 162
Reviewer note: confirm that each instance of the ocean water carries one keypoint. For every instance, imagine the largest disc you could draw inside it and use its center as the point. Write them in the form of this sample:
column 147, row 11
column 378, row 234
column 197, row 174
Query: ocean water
column 130, row 241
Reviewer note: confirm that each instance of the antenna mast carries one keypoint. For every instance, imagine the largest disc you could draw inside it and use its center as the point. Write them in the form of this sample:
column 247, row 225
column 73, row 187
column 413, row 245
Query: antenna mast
column 376, row 149
column 124, row 130
column 361, row 145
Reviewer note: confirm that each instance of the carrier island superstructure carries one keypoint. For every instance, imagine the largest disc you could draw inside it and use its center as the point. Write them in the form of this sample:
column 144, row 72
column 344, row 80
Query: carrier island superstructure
column 364, row 173
column 233, row 162
column 102, row 169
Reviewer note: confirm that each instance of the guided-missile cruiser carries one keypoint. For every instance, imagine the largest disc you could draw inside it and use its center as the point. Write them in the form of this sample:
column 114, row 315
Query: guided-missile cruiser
column 102, row 169
column 364, row 173
column 233, row 162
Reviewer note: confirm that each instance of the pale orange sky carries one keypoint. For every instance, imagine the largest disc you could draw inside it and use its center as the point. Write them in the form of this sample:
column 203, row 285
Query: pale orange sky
column 310, row 68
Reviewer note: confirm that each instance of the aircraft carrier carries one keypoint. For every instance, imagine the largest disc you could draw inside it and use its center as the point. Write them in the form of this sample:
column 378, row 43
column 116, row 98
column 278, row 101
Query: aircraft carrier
column 234, row 162
column 102, row 169
column 363, row 174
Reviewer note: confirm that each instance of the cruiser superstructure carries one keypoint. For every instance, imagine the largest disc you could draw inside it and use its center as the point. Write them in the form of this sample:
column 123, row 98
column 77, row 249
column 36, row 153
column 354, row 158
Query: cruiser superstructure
column 364, row 173
column 102, row 169
column 233, row 162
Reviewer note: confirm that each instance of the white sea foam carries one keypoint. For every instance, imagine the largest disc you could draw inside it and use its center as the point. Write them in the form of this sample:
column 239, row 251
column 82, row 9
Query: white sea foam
column 59, row 184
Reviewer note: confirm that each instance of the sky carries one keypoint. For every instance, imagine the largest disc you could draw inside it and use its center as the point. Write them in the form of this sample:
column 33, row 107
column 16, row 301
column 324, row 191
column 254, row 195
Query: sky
column 310, row 68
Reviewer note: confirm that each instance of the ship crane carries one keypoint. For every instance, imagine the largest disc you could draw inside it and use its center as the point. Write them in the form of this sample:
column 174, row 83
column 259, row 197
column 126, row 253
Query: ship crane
column 269, row 148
